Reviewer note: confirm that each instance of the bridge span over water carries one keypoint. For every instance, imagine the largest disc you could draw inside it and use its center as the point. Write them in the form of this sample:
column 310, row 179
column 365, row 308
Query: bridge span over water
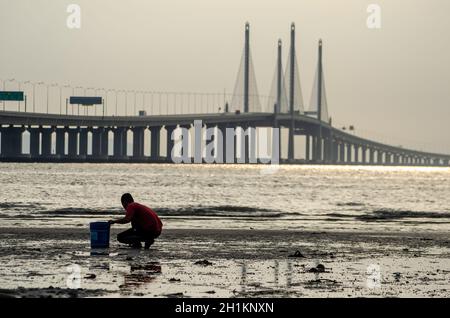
column 65, row 138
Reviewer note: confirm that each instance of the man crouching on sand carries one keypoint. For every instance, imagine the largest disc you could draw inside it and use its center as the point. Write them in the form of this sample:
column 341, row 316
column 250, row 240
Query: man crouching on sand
column 145, row 223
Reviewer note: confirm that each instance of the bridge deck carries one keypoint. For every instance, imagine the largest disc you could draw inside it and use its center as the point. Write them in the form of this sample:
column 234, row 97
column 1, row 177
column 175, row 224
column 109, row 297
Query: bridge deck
column 243, row 119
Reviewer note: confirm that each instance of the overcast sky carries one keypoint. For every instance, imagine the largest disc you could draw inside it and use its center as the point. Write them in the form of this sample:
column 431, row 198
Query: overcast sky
column 392, row 84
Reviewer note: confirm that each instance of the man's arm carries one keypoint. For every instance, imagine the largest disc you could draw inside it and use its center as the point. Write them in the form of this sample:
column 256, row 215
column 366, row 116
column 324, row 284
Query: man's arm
column 123, row 220
column 127, row 219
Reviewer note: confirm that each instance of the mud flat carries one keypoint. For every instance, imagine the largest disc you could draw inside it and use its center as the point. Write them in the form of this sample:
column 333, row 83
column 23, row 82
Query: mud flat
column 55, row 262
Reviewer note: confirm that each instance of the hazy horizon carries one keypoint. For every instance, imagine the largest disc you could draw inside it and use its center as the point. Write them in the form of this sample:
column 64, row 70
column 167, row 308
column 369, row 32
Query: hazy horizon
column 390, row 83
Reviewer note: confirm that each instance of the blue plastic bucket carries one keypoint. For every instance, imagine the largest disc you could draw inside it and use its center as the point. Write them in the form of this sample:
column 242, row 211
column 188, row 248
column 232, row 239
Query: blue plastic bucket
column 99, row 234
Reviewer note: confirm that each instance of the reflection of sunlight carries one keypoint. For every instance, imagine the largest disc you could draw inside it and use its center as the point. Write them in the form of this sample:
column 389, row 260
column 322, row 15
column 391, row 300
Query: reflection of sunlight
column 266, row 274
column 366, row 168
column 343, row 168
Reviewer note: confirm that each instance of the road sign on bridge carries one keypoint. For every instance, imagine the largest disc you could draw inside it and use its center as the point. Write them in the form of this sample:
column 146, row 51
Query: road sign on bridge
column 85, row 101
column 11, row 96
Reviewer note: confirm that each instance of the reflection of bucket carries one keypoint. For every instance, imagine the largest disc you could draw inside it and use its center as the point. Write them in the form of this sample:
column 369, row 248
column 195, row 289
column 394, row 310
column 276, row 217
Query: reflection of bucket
column 99, row 234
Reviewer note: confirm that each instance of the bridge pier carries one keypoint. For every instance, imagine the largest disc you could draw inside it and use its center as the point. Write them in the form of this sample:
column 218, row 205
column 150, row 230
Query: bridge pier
column 245, row 145
column 60, row 141
column 407, row 160
column 335, row 152
column 387, row 158
column 186, row 138
column 396, row 159
column 229, row 144
column 96, row 142
column 105, row 142
column 349, row 153
column 155, row 135
column 364, row 155
column 319, row 149
column 314, row 147
column 46, row 142
column 380, row 157
column 210, row 157
column 356, row 147
column 326, row 150
column 72, row 143
column 250, row 145
column 11, row 142
column 307, row 148
column 341, row 152
column 222, row 151
column 138, row 142
column 371, row 156
column 170, row 142
column 83, row 148
column 120, row 142
column 35, row 141
column 100, row 143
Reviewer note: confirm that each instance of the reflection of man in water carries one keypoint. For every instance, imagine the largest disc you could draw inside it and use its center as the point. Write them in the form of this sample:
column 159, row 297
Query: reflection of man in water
column 145, row 223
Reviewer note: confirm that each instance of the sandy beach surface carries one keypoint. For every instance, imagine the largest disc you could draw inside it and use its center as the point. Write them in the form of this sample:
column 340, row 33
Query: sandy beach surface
column 58, row 262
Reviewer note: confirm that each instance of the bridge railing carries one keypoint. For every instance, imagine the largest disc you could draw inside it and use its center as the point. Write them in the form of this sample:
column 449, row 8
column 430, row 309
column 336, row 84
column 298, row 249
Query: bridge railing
column 53, row 99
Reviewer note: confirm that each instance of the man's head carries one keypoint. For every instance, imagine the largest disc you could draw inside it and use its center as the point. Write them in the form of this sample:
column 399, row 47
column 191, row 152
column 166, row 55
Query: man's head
column 126, row 199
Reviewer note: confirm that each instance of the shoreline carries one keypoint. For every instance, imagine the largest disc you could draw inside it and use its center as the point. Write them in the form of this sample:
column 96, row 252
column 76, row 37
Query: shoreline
column 226, row 263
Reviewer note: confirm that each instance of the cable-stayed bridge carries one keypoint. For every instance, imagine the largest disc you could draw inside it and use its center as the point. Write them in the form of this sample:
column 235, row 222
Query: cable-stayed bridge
column 136, row 126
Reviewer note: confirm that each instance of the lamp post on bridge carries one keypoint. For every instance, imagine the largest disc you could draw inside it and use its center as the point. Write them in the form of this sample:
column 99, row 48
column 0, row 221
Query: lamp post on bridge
column 117, row 99
column 143, row 99
column 48, row 93
column 126, row 103
column 152, row 101
column 61, row 99
column 24, row 83
column 189, row 101
column 103, row 100
column 144, row 104
column 134, row 106
column 84, row 93
column 167, row 103
column 111, row 90
column 34, row 94
column 95, row 93
column 4, row 88
column 19, row 84
column 103, row 90
column 160, row 101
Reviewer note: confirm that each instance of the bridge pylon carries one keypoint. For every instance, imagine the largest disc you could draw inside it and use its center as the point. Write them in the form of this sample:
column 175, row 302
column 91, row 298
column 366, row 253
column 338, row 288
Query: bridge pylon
column 245, row 95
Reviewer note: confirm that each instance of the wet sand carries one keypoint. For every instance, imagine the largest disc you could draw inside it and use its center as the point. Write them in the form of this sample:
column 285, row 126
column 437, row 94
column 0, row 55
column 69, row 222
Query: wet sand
column 44, row 262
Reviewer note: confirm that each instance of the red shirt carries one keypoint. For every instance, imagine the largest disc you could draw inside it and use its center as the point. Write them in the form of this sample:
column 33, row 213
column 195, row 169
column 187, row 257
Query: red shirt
column 143, row 218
